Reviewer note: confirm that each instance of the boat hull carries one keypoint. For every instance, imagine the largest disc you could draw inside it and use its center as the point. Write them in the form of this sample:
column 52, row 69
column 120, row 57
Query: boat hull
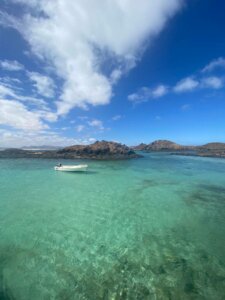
column 78, row 168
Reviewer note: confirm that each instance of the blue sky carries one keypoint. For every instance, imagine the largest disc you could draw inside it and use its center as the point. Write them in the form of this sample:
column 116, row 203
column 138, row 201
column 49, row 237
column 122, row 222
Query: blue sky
column 76, row 72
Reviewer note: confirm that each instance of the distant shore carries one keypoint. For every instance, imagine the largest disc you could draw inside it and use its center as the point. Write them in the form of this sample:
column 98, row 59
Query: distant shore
column 104, row 150
column 99, row 151
column 207, row 150
column 200, row 154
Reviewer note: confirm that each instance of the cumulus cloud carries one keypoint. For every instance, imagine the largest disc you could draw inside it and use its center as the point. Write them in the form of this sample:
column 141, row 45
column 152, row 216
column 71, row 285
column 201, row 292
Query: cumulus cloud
column 16, row 115
column 77, row 37
column 142, row 95
column 19, row 138
column 80, row 128
column 116, row 117
column 216, row 63
column 160, row 91
column 9, row 92
column 186, row 85
column 213, row 82
column 5, row 90
column 11, row 65
column 9, row 80
column 45, row 85
column 91, row 140
column 189, row 84
column 16, row 112
column 116, row 75
column 96, row 123
column 185, row 107
column 145, row 94
column 195, row 82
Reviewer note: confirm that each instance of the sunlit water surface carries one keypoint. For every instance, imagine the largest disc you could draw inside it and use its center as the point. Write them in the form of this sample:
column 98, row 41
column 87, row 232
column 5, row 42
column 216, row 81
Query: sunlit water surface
column 150, row 228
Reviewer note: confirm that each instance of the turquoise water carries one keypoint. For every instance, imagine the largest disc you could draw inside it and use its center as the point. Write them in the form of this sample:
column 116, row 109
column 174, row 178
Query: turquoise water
column 150, row 228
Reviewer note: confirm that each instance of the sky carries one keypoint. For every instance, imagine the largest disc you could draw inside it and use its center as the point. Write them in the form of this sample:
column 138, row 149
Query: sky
column 73, row 72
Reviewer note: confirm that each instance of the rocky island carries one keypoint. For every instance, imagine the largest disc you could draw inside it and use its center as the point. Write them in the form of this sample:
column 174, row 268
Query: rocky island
column 101, row 150
column 211, row 150
column 162, row 145
column 104, row 150
column 207, row 150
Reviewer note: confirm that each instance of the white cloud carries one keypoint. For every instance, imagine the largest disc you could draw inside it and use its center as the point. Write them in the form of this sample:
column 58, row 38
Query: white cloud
column 135, row 97
column 197, row 81
column 11, row 65
column 96, row 123
column 65, row 128
column 116, row 117
column 19, row 138
column 80, row 128
column 186, row 85
column 16, row 115
column 5, row 90
column 143, row 95
column 160, row 91
column 216, row 63
column 10, row 80
column 47, row 115
column 116, row 75
column 44, row 84
column 19, row 115
column 213, row 82
column 77, row 37
column 185, row 107
column 9, row 92
column 7, row 20
column 189, row 84
column 91, row 140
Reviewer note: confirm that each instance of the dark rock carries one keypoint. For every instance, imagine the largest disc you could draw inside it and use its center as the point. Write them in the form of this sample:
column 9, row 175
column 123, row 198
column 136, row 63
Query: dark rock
column 216, row 150
column 99, row 150
column 212, row 146
column 207, row 150
column 161, row 145
column 212, row 150
column 140, row 147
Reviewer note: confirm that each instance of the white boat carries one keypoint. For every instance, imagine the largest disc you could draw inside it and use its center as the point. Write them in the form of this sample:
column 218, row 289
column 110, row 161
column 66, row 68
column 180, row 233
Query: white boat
column 71, row 168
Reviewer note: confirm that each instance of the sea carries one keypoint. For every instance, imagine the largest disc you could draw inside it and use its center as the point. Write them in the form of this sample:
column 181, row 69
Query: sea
column 146, row 228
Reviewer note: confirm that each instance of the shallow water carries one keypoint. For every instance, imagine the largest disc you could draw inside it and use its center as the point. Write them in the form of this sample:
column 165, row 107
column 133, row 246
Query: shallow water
column 150, row 228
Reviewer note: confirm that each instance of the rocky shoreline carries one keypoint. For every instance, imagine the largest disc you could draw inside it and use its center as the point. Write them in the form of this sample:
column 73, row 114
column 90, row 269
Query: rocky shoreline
column 216, row 150
column 99, row 150
column 161, row 145
column 103, row 150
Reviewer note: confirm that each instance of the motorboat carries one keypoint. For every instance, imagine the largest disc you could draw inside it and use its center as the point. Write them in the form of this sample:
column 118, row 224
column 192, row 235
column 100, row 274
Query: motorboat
column 71, row 168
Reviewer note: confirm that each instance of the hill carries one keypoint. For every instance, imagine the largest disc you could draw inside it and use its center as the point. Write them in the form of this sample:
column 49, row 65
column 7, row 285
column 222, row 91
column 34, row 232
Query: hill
column 162, row 145
column 99, row 150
